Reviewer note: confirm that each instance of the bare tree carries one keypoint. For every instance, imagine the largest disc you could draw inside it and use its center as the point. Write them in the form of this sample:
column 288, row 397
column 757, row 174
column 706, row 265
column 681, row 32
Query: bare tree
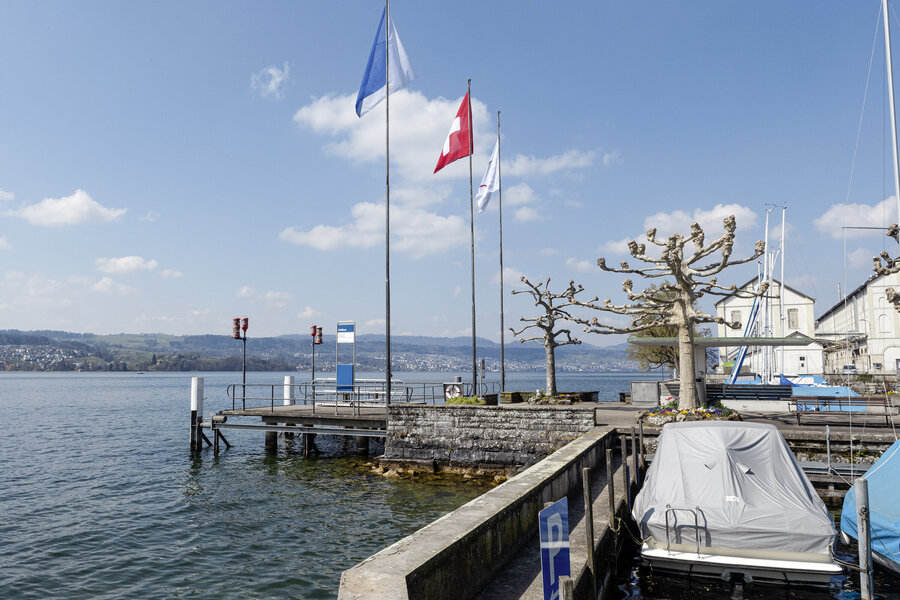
column 890, row 266
column 555, row 307
column 672, row 302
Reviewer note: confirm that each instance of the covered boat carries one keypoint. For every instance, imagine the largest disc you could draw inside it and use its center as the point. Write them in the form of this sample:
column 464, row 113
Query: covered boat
column 884, row 509
column 728, row 498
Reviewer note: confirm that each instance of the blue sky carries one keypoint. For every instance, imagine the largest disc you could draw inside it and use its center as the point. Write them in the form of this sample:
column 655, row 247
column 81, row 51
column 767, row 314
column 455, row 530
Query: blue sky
column 167, row 166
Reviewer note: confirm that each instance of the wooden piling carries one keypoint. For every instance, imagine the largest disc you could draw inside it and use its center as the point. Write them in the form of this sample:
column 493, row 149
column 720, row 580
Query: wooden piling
column 635, row 458
column 589, row 527
column 626, row 488
column 863, row 535
column 566, row 588
column 611, row 485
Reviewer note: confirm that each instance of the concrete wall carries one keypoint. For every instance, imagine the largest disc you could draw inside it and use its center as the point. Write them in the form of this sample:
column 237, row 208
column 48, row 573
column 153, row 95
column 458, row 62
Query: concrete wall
column 453, row 557
column 462, row 435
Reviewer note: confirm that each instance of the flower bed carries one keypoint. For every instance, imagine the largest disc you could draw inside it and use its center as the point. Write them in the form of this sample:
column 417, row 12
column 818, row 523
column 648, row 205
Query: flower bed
column 670, row 413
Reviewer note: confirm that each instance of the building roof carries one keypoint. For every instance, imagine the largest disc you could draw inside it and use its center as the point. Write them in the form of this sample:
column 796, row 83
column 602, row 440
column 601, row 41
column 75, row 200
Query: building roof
column 840, row 303
column 787, row 287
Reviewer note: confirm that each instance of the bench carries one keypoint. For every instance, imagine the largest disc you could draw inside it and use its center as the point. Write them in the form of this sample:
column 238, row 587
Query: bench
column 834, row 405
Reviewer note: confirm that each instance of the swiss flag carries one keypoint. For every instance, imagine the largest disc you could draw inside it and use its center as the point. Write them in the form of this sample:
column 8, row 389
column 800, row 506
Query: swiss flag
column 458, row 142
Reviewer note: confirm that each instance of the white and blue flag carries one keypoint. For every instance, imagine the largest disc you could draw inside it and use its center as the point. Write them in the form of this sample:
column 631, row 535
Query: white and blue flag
column 372, row 89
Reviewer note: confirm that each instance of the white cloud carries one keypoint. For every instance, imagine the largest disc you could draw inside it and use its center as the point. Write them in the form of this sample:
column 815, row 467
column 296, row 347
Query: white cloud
column 582, row 266
column 612, row 158
column 527, row 166
column 615, row 246
column 860, row 258
column 6, row 196
column 520, row 194
column 375, row 323
column 457, row 291
column 680, row 221
column 125, row 264
column 413, row 230
column 269, row 82
column 509, row 275
column 107, row 286
column 527, row 213
column 277, row 299
column 550, row 251
column 308, row 313
column 76, row 209
column 245, row 292
column 170, row 274
column 857, row 215
column 34, row 290
column 150, row 216
column 4, row 243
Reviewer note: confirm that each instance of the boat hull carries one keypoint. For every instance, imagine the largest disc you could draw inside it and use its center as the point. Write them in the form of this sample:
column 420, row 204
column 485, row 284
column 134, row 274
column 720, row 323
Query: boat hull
column 751, row 568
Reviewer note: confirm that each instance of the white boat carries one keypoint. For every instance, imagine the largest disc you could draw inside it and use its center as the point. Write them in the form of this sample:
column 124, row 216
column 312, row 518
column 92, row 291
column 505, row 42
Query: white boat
column 729, row 499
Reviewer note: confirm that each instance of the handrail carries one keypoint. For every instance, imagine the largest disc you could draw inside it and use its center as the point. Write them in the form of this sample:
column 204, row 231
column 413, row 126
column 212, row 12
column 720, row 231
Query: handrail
column 367, row 391
column 694, row 510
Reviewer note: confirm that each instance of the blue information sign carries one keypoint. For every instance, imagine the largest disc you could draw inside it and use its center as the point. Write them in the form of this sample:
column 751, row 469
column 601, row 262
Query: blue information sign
column 553, row 525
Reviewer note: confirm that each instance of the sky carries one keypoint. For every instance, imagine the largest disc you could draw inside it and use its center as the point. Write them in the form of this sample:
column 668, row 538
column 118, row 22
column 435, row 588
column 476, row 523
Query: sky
column 167, row 166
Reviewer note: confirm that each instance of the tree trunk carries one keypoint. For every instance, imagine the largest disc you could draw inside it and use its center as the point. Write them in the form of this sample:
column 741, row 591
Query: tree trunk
column 687, row 390
column 551, row 369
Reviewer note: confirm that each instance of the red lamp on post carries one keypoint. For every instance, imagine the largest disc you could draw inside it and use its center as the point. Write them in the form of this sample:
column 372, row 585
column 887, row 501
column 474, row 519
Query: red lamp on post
column 316, row 333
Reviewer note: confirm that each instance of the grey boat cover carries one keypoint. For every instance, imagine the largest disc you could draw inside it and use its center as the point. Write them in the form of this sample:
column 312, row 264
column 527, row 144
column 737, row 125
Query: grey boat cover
column 751, row 492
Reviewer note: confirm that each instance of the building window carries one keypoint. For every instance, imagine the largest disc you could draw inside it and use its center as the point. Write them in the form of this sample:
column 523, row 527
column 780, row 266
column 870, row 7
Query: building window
column 735, row 316
column 793, row 318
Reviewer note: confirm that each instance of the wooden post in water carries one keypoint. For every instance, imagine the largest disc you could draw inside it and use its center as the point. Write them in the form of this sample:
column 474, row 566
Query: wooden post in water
column 863, row 534
column 635, row 458
column 566, row 588
column 626, row 488
column 196, row 412
column 589, row 527
column 611, row 484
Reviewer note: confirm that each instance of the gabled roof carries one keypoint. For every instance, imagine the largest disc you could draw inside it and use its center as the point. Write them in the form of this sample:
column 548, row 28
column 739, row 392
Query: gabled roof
column 787, row 287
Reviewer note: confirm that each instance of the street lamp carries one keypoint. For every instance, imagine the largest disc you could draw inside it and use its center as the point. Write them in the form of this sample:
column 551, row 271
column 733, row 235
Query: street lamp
column 239, row 326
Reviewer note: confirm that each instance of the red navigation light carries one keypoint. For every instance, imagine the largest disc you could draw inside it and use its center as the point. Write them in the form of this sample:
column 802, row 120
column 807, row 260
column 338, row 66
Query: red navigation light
column 244, row 322
column 312, row 330
column 236, row 328
column 318, row 335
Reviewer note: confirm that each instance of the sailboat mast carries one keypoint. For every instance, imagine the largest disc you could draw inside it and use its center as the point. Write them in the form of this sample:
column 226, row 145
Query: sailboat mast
column 781, row 294
column 890, row 74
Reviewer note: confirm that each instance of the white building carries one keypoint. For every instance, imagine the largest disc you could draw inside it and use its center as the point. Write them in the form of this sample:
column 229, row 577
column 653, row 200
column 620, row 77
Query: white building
column 864, row 329
column 790, row 314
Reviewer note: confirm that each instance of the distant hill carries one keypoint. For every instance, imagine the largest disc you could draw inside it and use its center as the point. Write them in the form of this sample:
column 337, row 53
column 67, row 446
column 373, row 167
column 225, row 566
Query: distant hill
column 61, row 350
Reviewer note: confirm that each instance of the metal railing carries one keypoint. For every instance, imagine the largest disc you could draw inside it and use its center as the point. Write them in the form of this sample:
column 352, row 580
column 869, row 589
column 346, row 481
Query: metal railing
column 695, row 512
column 366, row 392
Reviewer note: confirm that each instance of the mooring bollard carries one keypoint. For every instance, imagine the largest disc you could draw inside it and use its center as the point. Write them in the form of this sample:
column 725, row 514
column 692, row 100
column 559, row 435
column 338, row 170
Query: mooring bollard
column 589, row 527
column 196, row 412
column 866, row 585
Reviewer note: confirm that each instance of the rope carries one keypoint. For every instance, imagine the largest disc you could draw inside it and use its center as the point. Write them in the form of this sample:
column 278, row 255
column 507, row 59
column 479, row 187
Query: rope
column 863, row 109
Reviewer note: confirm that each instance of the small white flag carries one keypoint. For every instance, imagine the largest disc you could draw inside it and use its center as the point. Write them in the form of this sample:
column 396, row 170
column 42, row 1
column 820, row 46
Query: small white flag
column 490, row 183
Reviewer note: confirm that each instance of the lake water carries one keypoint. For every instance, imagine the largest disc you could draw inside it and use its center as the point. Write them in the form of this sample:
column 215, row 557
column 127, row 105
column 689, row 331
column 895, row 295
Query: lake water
column 100, row 497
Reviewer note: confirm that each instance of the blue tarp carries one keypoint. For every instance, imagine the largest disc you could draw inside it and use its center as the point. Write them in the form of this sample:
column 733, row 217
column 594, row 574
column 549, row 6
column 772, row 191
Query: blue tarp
column 837, row 391
column 884, row 509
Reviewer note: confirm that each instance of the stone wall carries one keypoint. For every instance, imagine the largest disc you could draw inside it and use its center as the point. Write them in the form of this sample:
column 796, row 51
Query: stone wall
column 462, row 435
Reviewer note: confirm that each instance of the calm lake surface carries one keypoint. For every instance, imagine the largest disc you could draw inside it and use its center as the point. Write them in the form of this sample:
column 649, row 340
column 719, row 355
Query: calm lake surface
column 100, row 497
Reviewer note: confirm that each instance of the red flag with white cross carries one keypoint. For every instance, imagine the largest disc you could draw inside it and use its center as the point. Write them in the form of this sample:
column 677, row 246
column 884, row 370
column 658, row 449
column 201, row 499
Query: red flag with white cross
column 459, row 141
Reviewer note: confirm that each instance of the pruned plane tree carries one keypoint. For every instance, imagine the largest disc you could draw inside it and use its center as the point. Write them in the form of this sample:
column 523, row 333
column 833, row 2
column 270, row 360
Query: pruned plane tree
column 555, row 308
column 687, row 275
column 890, row 266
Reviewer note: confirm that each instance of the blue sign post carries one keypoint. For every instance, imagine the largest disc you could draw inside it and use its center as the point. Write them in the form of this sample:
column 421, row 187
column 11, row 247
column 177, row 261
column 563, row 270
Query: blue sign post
column 553, row 525
column 345, row 370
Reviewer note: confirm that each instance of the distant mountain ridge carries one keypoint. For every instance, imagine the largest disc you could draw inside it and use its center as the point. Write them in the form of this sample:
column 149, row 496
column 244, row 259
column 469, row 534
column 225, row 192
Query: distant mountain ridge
column 61, row 350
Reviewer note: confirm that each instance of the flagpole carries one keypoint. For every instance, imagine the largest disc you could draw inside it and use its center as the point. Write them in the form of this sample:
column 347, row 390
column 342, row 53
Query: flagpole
column 500, row 206
column 472, row 238
column 387, row 204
